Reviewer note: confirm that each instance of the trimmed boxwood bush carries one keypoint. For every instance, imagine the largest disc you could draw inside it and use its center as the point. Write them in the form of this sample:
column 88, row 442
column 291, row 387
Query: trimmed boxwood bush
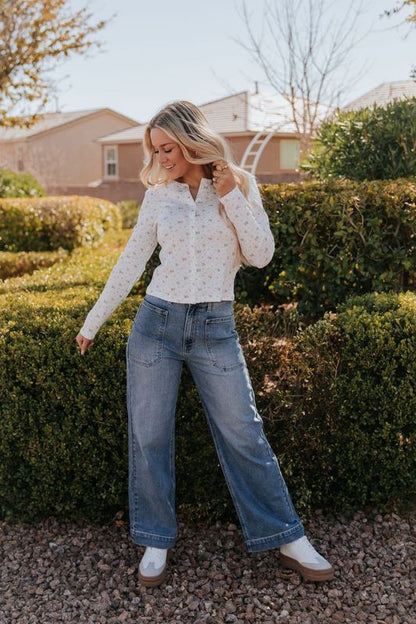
column 355, row 419
column 337, row 399
column 49, row 223
column 56, row 438
column 334, row 240
column 374, row 424
column 15, row 264
column 129, row 212
column 19, row 185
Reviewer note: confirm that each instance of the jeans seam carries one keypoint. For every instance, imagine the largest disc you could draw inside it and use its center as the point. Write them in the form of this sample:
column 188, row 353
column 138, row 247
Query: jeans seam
column 280, row 477
column 224, row 467
column 133, row 446
column 172, row 460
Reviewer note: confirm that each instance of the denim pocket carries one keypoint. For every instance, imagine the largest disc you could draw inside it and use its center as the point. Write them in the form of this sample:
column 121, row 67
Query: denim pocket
column 145, row 342
column 222, row 344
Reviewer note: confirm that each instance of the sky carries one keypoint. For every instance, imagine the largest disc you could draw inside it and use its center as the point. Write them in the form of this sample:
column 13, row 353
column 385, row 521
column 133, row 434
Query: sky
column 156, row 51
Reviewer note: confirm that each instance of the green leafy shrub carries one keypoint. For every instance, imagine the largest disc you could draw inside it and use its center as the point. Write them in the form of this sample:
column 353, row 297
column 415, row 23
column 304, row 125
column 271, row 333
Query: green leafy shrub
column 334, row 240
column 49, row 223
column 337, row 400
column 129, row 213
column 15, row 264
column 355, row 416
column 376, row 143
column 374, row 424
column 19, row 185
column 40, row 317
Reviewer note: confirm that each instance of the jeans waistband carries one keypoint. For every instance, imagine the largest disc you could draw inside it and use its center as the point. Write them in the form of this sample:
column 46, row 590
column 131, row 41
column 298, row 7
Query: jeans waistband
column 209, row 306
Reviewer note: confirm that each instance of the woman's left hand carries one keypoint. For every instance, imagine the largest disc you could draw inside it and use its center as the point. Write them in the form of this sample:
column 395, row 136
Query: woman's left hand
column 84, row 343
column 222, row 177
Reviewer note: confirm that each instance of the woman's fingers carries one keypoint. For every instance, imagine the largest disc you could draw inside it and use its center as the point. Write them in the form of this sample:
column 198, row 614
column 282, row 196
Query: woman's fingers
column 83, row 343
column 220, row 165
column 222, row 177
column 221, row 171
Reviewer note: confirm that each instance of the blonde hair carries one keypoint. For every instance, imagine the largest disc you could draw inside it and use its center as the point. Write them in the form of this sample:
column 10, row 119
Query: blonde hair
column 186, row 125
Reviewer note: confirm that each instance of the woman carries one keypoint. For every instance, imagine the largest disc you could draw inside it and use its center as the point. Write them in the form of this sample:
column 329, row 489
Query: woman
column 207, row 216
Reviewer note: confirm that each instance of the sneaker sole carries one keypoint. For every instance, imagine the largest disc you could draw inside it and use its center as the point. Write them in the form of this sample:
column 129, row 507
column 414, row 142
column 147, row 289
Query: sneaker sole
column 308, row 574
column 153, row 581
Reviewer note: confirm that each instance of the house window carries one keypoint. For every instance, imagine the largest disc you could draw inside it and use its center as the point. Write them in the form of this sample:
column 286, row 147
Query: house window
column 289, row 154
column 111, row 164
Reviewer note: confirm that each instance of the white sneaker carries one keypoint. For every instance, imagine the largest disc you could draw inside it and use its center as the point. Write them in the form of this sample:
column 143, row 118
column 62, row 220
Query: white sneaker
column 301, row 556
column 152, row 568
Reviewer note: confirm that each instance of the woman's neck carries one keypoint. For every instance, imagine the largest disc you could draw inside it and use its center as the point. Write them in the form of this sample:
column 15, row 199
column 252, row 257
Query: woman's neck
column 193, row 178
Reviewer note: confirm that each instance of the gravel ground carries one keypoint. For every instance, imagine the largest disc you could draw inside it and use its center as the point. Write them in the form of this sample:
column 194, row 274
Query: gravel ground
column 59, row 572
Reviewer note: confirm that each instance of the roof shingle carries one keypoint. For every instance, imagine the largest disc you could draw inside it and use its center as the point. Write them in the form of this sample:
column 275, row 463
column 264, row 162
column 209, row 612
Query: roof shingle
column 384, row 94
column 48, row 121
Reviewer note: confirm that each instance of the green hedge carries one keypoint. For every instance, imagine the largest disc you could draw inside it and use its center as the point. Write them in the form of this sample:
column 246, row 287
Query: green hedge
column 47, row 224
column 66, row 435
column 337, row 399
column 19, row 185
column 334, row 240
column 373, row 426
column 15, row 264
column 354, row 420
column 376, row 143
column 129, row 212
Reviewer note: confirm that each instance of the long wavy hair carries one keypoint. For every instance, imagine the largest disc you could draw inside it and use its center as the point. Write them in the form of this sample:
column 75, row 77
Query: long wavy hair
column 186, row 125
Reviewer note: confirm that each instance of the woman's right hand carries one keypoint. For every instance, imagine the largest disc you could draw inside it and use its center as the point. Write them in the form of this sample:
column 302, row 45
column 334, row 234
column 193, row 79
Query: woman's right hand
column 84, row 343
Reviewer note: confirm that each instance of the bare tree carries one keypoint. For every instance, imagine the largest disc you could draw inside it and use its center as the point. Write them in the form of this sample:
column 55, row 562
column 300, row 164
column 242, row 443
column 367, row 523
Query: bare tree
column 304, row 50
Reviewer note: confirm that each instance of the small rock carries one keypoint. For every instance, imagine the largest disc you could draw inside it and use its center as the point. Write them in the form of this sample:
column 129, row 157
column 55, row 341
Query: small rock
column 230, row 607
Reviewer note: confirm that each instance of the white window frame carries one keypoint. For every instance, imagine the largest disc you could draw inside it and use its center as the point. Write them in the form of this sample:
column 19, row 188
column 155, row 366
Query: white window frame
column 110, row 162
column 295, row 162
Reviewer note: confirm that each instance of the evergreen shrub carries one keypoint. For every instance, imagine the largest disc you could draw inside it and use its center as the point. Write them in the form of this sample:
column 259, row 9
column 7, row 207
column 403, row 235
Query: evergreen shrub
column 377, row 143
column 15, row 264
column 373, row 428
column 337, row 398
column 19, row 185
column 49, row 223
column 129, row 212
column 334, row 240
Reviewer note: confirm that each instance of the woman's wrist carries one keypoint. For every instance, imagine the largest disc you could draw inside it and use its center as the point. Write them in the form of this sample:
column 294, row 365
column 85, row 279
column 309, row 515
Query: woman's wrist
column 228, row 192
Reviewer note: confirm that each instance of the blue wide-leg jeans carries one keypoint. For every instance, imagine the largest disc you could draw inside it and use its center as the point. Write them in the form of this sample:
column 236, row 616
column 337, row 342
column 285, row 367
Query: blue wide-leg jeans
column 163, row 337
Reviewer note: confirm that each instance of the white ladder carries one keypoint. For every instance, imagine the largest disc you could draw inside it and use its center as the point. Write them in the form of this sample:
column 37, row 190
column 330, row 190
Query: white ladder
column 255, row 149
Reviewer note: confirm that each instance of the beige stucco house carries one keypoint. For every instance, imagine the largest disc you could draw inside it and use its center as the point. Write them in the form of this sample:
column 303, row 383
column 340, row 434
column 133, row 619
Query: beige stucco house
column 61, row 149
column 257, row 126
